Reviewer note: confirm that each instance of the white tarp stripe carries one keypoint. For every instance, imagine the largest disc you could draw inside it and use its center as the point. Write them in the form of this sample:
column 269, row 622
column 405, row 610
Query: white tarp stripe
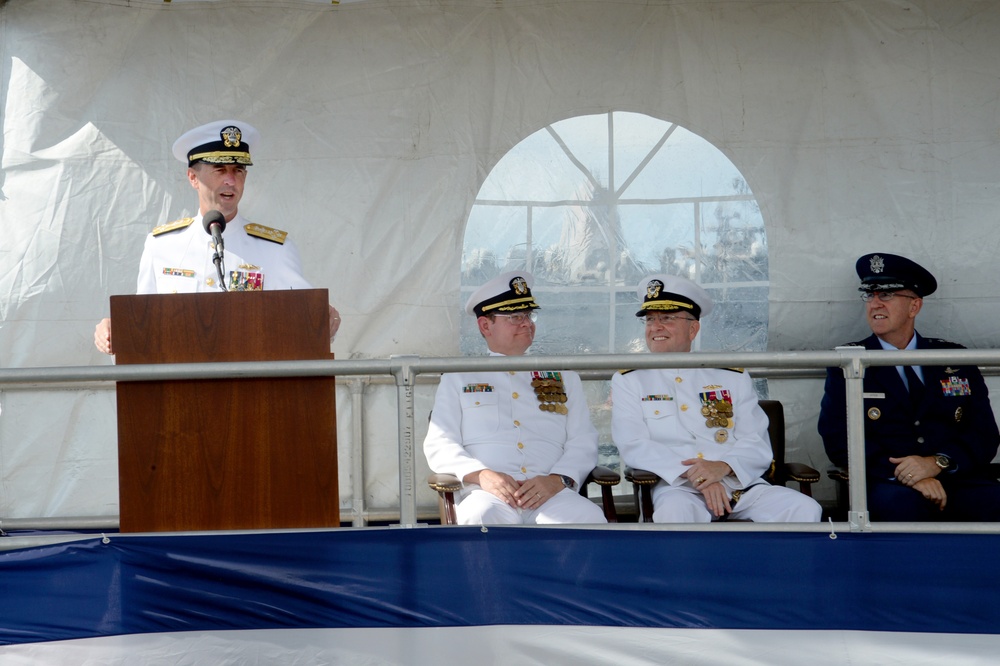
column 515, row 644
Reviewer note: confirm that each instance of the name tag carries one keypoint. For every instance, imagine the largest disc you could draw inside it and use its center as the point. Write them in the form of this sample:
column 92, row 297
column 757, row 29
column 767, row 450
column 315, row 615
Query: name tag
column 875, row 396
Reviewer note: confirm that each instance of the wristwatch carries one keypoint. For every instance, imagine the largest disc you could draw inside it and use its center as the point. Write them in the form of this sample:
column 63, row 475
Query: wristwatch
column 943, row 461
column 568, row 482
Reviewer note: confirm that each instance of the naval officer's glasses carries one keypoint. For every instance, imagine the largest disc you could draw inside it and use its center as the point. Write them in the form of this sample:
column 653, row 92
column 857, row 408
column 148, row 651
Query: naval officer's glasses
column 884, row 296
column 520, row 318
column 663, row 319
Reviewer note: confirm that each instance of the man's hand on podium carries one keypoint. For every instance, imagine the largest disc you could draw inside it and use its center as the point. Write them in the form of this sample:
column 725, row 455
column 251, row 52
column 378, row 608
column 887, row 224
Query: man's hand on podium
column 334, row 322
column 102, row 336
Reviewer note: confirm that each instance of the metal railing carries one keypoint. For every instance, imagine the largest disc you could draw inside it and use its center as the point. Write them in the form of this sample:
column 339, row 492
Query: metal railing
column 405, row 370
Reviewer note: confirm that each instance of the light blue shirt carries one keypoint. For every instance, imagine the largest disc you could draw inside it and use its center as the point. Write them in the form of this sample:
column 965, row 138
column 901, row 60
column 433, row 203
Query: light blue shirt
column 912, row 345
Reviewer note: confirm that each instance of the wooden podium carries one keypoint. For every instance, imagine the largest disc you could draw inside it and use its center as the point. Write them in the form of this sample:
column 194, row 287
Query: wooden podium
column 225, row 454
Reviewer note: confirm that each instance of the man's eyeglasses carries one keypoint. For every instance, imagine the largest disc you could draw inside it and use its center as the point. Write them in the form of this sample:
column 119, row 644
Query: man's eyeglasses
column 663, row 319
column 520, row 318
column 884, row 296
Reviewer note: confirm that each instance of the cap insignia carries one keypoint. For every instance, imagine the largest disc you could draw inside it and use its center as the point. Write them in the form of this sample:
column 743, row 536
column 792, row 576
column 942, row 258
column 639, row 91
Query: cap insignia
column 877, row 264
column 231, row 136
column 653, row 288
column 519, row 285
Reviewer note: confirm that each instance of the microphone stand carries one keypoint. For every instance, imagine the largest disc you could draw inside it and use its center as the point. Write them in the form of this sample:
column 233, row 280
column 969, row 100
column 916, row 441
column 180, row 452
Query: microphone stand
column 220, row 265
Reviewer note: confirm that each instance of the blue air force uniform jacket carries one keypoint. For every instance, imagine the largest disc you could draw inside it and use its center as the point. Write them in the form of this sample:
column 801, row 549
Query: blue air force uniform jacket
column 954, row 417
column 657, row 421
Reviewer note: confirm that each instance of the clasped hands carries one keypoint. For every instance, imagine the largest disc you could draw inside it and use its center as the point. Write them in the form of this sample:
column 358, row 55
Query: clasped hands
column 919, row 472
column 529, row 494
column 706, row 477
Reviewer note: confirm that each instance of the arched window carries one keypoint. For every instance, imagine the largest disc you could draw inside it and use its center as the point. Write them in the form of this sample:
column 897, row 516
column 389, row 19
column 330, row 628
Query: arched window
column 592, row 204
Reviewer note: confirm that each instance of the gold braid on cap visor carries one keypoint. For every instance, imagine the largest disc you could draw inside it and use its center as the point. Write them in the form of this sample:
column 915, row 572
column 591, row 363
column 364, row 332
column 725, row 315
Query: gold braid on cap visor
column 224, row 157
column 666, row 305
column 508, row 305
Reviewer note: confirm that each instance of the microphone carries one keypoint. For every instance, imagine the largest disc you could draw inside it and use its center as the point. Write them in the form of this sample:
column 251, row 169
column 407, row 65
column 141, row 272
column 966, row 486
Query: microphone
column 215, row 223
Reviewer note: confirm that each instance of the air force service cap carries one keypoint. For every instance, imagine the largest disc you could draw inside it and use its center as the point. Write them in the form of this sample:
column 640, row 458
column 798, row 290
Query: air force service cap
column 506, row 293
column 881, row 271
column 218, row 142
column 668, row 293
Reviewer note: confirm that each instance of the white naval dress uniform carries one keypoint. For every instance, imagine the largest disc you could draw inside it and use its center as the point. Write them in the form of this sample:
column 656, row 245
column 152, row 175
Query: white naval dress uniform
column 180, row 261
column 492, row 420
column 657, row 421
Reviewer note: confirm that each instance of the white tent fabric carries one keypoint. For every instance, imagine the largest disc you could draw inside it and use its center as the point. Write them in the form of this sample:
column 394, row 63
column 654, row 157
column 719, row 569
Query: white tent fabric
column 860, row 126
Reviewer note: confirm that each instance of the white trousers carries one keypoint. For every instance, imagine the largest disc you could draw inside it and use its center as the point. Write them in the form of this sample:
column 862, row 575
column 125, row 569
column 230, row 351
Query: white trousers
column 762, row 503
column 565, row 507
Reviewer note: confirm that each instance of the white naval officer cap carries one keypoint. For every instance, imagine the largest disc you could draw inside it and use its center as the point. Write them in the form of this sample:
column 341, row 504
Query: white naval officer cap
column 507, row 292
column 217, row 142
column 665, row 293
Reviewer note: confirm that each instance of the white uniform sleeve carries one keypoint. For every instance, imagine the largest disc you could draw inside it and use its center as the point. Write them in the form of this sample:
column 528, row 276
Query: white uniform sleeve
column 580, row 451
column 146, row 281
column 750, row 454
column 443, row 444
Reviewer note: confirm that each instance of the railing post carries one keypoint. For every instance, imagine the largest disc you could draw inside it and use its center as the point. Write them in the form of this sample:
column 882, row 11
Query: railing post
column 403, row 370
column 357, row 388
column 854, row 373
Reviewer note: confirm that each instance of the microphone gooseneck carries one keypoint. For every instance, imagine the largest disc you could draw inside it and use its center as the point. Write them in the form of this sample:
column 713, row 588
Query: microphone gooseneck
column 215, row 223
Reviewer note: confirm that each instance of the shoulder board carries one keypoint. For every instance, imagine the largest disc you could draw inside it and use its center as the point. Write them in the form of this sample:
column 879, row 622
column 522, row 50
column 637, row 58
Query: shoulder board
column 739, row 370
column 267, row 233
column 625, row 372
column 940, row 343
column 182, row 223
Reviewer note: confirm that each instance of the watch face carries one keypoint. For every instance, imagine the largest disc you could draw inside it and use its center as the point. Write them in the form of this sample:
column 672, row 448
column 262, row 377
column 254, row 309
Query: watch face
column 942, row 461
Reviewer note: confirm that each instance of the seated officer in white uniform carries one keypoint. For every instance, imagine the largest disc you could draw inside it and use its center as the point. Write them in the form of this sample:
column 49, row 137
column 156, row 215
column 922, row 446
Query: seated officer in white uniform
column 179, row 257
column 700, row 429
column 521, row 442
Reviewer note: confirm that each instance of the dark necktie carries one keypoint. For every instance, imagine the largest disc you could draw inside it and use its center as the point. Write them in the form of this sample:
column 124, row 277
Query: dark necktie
column 916, row 386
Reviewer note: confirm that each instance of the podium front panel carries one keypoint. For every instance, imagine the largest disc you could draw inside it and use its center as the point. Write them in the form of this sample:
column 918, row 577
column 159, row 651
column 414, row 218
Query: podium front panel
column 225, row 454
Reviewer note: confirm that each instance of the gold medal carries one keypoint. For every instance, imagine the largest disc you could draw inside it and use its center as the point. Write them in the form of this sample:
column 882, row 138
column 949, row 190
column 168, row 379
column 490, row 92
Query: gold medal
column 550, row 391
column 718, row 412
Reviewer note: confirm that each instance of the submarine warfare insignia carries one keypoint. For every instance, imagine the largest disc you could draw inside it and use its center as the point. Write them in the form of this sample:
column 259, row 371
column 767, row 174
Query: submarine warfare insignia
column 550, row 391
column 717, row 408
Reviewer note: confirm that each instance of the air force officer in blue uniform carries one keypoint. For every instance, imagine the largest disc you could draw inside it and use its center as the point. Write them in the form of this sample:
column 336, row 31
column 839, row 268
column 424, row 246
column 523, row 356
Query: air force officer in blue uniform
column 930, row 434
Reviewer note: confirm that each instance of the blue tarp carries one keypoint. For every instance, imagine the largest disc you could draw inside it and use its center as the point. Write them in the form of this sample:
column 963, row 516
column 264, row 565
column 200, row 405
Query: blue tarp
column 453, row 577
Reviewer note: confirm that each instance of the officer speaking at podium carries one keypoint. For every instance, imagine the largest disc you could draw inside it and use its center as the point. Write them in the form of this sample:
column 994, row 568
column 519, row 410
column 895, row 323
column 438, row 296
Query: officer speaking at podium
column 184, row 256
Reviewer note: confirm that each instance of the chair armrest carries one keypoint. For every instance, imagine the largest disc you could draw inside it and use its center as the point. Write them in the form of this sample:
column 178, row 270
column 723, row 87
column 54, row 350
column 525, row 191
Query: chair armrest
column 444, row 483
column 641, row 477
column 603, row 476
column 801, row 472
column 838, row 473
